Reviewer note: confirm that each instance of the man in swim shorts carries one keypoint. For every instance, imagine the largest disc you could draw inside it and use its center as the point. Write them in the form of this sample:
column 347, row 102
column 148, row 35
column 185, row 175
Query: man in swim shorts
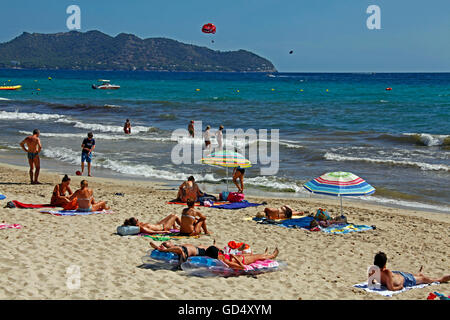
column 87, row 147
column 397, row 280
column 34, row 147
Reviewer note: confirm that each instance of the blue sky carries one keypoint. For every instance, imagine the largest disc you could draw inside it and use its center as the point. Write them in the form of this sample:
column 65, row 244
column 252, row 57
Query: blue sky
column 325, row 35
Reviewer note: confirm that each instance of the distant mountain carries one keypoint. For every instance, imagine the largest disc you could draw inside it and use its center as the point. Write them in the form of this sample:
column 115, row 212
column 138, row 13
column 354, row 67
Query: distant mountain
column 94, row 50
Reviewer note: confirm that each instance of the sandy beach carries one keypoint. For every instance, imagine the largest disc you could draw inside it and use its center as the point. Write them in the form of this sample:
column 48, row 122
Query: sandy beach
column 34, row 259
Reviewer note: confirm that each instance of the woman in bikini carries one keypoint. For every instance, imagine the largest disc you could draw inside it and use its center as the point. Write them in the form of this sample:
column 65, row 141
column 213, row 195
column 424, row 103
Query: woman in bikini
column 163, row 226
column 239, row 261
column 189, row 190
column 185, row 250
column 192, row 221
column 59, row 198
column 85, row 199
column 285, row 212
column 238, row 173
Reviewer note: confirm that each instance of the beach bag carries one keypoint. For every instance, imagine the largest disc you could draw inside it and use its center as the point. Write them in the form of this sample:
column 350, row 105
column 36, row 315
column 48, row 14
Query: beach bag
column 73, row 205
column 224, row 195
column 128, row 230
column 10, row 204
column 322, row 215
column 235, row 197
column 233, row 248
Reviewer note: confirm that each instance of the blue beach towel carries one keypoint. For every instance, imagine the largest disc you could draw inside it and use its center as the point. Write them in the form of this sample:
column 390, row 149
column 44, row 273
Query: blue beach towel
column 288, row 223
column 346, row 228
column 237, row 205
column 2, row 197
column 73, row 212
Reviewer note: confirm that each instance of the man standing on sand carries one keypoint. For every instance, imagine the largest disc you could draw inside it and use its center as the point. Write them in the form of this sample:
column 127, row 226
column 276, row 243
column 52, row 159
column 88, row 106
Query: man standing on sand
column 87, row 147
column 34, row 147
column 191, row 128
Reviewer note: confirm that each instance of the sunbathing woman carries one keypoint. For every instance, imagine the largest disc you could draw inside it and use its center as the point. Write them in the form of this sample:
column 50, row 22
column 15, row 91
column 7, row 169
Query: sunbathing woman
column 163, row 226
column 85, row 199
column 238, row 261
column 192, row 221
column 285, row 212
column 185, row 250
column 189, row 190
column 59, row 198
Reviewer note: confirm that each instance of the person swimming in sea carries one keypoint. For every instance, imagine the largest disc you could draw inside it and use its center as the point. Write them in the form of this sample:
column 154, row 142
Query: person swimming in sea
column 85, row 199
column 59, row 198
column 34, row 148
column 192, row 221
column 397, row 280
column 172, row 221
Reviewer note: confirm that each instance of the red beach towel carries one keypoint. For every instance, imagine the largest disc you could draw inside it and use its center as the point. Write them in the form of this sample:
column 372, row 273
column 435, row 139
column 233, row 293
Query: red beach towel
column 21, row 205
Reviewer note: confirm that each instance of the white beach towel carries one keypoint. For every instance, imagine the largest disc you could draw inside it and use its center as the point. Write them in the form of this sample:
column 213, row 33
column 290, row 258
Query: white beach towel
column 387, row 293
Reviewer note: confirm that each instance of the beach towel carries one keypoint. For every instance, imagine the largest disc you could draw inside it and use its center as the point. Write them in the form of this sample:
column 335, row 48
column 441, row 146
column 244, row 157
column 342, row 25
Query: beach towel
column 167, row 236
column 387, row 293
column 346, row 228
column 74, row 212
column 10, row 226
column 198, row 204
column 302, row 223
column 236, row 205
column 21, row 205
column 2, row 197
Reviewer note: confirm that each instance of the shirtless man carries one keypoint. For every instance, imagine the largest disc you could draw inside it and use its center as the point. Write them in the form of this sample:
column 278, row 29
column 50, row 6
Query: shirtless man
column 163, row 226
column 397, row 280
column 191, row 128
column 34, row 147
column 192, row 221
column 285, row 212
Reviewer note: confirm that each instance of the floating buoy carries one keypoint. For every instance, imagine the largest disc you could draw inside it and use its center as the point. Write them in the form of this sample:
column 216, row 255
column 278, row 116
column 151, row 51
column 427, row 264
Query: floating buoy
column 237, row 90
column 388, row 89
column 38, row 89
column 197, row 89
column 273, row 89
column 301, row 90
column 327, row 90
column 49, row 78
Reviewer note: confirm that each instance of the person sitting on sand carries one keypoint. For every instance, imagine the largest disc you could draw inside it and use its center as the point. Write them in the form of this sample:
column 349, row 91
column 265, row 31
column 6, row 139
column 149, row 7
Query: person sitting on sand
column 59, row 198
column 323, row 219
column 239, row 261
column 285, row 212
column 163, row 226
column 192, row 221
column 397, row 280
column 185, row 250
column 85, row 199
column 189, row 190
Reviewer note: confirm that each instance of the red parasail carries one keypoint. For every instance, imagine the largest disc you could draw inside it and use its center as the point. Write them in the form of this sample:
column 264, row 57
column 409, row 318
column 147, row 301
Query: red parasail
column 209, row 28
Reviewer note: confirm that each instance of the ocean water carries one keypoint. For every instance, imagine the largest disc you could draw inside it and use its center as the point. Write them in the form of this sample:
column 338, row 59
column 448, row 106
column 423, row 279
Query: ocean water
column 399, row 140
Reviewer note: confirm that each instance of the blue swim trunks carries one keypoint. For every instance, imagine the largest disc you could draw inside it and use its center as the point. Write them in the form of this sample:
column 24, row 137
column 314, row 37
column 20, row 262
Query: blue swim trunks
column 86, row 157
column 410, row 281
column 84, row 209
column 32, row 155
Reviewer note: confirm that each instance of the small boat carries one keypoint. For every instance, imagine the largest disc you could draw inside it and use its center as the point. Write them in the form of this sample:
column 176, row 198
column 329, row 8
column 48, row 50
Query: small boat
column 105, row 85
column 10, row 87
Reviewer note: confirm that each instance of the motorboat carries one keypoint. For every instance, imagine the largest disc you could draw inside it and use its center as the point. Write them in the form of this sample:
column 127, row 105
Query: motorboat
column 105, row 84
column 10, row 87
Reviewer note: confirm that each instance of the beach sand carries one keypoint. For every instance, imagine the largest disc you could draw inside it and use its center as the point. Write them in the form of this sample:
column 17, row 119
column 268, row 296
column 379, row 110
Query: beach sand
column 34, row 259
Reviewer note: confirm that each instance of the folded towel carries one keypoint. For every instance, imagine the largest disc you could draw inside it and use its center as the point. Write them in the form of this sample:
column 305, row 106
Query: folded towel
column 387, row 293
column 74, row 212
column 10, row 226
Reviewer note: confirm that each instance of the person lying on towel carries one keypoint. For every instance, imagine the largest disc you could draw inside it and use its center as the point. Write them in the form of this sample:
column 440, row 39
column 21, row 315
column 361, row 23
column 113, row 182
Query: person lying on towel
column 323, row 219
column 185, row 250
column 397, row 280
column 85, row 199
column 192, row 221
column 189, row 190
column 163, row 226
column 239, row 261
column 285, row 212
column 59, row 197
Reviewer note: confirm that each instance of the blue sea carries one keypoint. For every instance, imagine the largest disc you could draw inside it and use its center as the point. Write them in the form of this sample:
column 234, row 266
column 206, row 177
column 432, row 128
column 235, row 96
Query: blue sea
column 398, row 140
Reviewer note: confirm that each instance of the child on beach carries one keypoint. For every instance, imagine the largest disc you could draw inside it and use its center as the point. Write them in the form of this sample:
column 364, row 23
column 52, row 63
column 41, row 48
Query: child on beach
column 163, row 226
column 59, row 198
column 397, row 280
column 34, row 148
column 87, row 147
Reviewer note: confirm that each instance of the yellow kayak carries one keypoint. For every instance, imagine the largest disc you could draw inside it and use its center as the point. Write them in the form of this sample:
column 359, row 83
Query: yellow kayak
column 10, row 87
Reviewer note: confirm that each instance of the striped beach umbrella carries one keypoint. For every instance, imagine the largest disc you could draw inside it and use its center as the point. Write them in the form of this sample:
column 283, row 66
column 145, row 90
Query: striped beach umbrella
column 339, row 184
column 227, row 159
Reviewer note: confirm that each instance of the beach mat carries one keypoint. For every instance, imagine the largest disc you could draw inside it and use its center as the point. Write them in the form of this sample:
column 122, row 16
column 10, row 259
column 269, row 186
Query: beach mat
column 236, row 205
column 73, row 212
column 387, row 293
column 167, row 236
column 2, row 197
column 197, row 204
column 347, row 228
column 21, row 205
column 10, row 226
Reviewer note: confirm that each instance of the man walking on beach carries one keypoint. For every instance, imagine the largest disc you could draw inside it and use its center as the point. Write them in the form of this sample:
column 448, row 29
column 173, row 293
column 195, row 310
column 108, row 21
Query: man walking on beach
column 34, row 147
column 87, row 147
